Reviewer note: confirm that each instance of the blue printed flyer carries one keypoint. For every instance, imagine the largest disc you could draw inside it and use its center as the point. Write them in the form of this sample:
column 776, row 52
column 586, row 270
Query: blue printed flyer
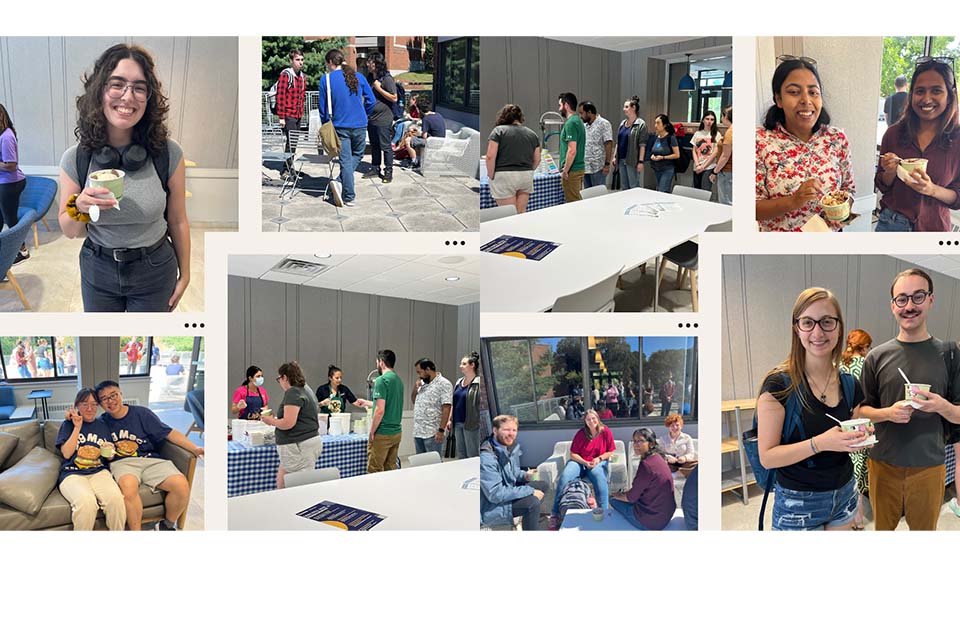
column 342, row 516
column 517, row 247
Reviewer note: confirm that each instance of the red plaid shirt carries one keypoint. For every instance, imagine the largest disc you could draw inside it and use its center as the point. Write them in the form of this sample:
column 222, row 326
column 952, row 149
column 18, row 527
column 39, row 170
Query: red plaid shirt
column 290, row 96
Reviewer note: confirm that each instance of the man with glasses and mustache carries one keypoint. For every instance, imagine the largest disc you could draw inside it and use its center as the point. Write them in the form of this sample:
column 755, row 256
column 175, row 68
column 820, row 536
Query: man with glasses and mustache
column 138, row 434
column 906, row 466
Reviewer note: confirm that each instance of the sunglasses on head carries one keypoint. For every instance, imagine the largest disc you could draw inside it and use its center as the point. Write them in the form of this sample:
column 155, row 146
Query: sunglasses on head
column 789, row 58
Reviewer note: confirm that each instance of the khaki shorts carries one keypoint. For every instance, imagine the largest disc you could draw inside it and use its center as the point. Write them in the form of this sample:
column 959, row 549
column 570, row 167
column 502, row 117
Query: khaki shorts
column 506, row 184
column 149, row 471
column 300, row 455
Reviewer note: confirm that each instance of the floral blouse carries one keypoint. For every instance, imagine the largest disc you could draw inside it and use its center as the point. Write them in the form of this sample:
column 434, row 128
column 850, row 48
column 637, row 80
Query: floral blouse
column 784, row 162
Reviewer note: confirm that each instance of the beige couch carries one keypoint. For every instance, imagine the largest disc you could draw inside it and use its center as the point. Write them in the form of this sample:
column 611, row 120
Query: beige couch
column 55, row 511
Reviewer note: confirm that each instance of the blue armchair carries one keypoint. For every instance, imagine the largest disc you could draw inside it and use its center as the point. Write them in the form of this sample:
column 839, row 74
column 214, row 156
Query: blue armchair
column 37, row 197
column 8, row 403
column 10, row 241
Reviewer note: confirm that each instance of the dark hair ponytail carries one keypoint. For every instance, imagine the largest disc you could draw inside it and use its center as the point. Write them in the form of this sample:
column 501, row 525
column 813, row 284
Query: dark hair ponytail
column 474, row 358
column 335, row 57
column 332, row 369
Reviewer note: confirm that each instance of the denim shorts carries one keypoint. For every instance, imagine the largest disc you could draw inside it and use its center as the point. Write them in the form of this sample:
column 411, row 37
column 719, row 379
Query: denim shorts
column 814, row 510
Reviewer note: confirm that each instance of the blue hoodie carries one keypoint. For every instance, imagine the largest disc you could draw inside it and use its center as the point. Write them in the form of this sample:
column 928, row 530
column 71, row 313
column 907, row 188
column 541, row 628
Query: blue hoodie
column 501, row 482
column 350, row 110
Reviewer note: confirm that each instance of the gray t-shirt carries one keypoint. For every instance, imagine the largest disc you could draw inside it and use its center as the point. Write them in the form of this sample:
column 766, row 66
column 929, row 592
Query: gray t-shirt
column 307, row 425
column 517, row 144
column 139, row 221
column 919, row 443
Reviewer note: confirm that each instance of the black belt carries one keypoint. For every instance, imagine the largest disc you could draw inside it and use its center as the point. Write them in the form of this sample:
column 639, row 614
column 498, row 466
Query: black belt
column 124, row 255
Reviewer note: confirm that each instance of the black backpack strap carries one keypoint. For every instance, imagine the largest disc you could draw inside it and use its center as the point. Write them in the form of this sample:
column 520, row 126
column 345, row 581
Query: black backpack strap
column 83, row 165
column 766, row 494
column 161, row 164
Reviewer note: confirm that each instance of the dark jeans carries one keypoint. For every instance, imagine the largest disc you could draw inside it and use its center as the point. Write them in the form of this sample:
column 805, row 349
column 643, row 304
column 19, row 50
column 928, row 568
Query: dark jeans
column 289, row 124
column 10, row 201
column 380, row 137
column 665, row 407
column 142, row 285
column 527, row 508
column 702, row 180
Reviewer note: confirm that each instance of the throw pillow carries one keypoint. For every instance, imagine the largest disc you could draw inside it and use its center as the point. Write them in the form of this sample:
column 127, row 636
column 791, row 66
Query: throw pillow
column 26, row 485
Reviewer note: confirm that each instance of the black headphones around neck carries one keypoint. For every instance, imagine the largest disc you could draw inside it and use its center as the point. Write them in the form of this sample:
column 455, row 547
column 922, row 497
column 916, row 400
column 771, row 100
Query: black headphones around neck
column 130, row 159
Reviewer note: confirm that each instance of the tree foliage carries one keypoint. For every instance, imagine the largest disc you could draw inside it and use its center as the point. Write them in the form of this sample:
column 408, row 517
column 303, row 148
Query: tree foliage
column 900, row 54
column 275, row 51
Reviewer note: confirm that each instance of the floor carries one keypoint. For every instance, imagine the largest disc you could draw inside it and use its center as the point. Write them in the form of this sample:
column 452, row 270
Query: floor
column 50, row 279
column 411, row 202
column 636, row 291
column 736, row 516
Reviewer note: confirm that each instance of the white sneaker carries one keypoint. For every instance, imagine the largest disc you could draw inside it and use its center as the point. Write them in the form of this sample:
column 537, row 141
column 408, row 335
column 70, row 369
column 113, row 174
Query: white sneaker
column 335, row 188
column 350, row 204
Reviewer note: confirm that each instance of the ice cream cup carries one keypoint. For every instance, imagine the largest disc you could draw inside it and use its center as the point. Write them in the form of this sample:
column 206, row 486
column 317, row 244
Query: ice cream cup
column 111, row 179
column 598, row 514
column 107, row 450
column 915, row 392
column 912, row 164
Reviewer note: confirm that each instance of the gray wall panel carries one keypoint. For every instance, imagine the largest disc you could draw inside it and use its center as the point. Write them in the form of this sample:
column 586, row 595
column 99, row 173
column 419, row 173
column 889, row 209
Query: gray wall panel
column 756, row 313
column 40, row 78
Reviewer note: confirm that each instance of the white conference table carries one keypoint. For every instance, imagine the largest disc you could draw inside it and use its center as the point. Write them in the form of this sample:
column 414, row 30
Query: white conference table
column 595, row 239
column 421, row 498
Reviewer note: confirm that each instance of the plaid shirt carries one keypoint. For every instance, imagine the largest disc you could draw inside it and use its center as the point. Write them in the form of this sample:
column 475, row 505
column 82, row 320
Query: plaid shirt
column 290, row 96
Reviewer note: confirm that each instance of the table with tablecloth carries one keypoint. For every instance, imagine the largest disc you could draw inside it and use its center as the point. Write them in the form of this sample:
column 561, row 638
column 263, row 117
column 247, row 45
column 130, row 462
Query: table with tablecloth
column 547, row 192
column 254, row 469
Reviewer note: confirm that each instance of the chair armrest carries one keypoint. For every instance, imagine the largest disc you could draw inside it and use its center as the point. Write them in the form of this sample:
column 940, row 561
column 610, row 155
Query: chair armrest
column 182, row 459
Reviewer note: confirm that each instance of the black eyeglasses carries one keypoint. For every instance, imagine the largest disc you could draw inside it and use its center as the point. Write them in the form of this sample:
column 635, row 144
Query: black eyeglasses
column 827, row 323
column 789, row 58
column 917, row 296
column 278, row 378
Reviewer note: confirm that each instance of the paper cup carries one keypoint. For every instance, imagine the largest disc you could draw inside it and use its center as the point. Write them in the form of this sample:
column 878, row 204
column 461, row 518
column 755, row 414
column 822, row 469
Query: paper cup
column 111, row 179
column 835, row 212
column 915, row 392
column 598, row 514
column 912, row 164
column 107, row 450
column 863, row 425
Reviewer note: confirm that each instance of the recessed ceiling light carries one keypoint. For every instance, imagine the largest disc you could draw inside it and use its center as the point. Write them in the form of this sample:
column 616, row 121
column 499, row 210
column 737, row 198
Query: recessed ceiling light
column 323, row 256
column 452, row 278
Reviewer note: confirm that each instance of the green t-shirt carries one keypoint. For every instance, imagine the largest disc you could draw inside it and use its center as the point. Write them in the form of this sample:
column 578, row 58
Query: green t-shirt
column 573, row 130
column 389, row 388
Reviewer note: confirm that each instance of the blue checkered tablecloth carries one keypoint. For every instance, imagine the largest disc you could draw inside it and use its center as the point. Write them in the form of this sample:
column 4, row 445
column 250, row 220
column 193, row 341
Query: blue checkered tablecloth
column 547, row 192
column 254, row 469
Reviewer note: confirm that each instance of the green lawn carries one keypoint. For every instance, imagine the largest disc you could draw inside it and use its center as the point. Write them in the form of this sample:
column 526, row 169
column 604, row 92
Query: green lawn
column 412, row 76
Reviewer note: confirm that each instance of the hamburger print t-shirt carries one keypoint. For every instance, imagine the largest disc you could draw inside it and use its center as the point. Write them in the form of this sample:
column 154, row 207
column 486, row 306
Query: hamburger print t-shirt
column 139, row 434
column 86, row 459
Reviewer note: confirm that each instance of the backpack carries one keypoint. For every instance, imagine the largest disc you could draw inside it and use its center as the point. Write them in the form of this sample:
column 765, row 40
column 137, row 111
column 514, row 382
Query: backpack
column 161, row 164
column 401, row 100
column 792, row 423
column 951, row 358
column 574, row 496
column 272, row 93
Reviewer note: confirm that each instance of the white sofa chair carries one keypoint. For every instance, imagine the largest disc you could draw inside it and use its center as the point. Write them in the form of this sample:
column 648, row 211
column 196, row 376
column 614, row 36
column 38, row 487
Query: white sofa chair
column 551, row 468
column 457, row 154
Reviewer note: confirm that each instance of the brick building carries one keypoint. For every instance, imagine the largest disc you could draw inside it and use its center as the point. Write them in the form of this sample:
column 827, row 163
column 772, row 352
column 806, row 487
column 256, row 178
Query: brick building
column 402, row 53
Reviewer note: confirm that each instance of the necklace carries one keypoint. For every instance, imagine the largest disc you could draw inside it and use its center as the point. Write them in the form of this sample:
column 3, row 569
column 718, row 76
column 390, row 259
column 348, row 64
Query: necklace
column 823, row 394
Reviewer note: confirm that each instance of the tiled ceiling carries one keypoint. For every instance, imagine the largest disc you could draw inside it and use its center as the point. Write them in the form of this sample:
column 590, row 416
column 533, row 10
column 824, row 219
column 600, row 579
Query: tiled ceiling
column 947, row 265
column 619, row 43
column 427, row 278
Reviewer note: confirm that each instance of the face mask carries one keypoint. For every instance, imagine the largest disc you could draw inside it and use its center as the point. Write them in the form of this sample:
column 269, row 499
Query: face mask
column 259, row 381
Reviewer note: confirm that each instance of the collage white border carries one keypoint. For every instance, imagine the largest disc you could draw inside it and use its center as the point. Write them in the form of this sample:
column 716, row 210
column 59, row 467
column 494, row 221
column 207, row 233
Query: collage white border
column 737, row 584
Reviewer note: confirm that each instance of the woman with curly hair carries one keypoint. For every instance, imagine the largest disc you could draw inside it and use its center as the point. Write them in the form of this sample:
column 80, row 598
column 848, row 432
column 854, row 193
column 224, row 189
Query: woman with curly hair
column 136, row 256
column 513, row 153
column 352, row 101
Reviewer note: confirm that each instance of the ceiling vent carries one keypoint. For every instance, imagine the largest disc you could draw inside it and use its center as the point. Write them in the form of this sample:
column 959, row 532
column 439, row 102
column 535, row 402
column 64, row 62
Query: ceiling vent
column 299, row 268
